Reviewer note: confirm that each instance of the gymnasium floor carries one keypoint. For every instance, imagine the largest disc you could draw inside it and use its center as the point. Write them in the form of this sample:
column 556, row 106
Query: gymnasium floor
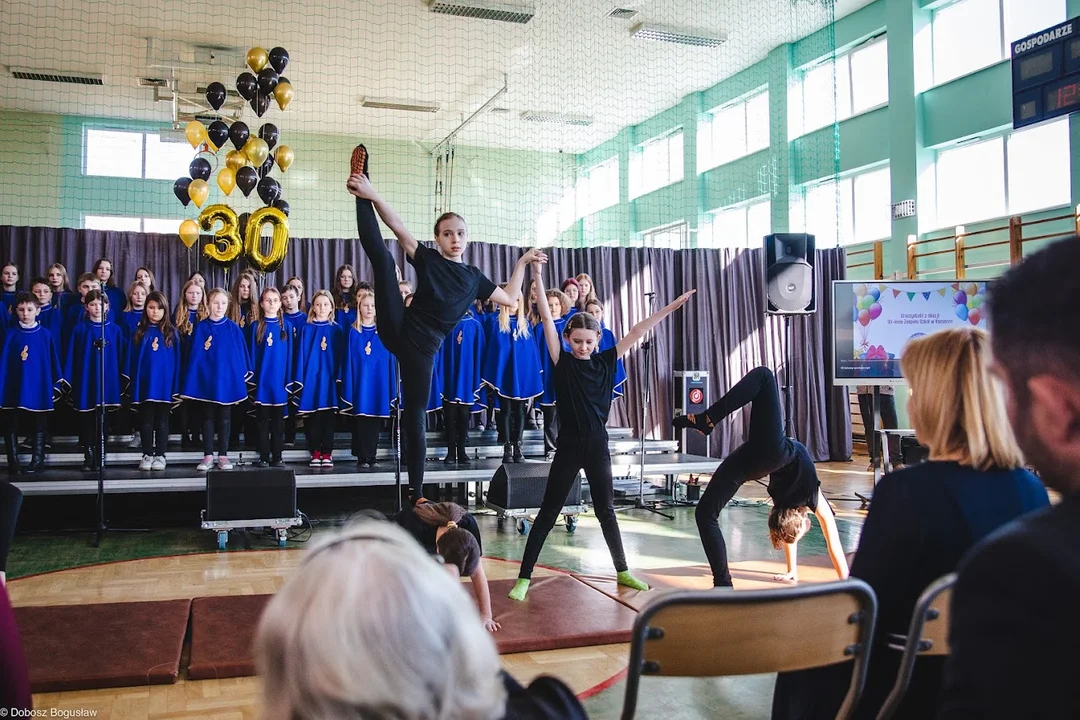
column 181, row 563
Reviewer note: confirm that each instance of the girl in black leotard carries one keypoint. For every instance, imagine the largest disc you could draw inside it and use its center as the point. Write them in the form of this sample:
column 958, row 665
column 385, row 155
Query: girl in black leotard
column 445, row 288
column 793, row 483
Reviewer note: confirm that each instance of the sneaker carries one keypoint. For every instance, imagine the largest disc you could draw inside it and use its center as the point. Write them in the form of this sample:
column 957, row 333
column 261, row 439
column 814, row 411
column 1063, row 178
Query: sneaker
column 359, row 161
column 327, row 461
column 316, row 460
column 223, row 463
column 206, row 464
column 159, row 463
column 135, row 442
column 146, row 463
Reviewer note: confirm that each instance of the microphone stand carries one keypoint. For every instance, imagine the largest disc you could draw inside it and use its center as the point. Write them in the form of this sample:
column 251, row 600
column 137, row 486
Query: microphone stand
column 397, row 442
column 102, row 526
column 646, row 349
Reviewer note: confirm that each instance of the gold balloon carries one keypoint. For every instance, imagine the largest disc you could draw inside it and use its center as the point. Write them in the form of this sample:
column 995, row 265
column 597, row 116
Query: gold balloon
column 195, row 132
column 283, row 93
column 197, row 191
column 235, row 160
column 226, row 180
column 279, row 243
column 256, row 151
column 257, row 58
column 285, row 157
column 228, row 246
column 189, row 233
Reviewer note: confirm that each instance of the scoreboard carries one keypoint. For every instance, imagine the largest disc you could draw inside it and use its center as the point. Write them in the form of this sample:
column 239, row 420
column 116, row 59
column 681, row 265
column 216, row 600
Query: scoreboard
column 1046, row 74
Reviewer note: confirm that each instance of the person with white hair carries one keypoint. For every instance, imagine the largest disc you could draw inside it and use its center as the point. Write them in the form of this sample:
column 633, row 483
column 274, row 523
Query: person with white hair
column 371, row 626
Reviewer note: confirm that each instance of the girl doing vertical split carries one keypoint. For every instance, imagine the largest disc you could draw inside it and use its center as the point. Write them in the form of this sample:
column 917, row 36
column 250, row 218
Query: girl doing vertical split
column 583, row 384
column 445, row 288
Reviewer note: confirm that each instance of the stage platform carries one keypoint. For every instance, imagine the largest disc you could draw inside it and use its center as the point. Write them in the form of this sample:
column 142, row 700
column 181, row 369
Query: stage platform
column 63, row 477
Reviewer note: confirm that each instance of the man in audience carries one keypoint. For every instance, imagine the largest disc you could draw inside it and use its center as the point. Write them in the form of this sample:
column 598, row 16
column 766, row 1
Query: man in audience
column 1014, row 624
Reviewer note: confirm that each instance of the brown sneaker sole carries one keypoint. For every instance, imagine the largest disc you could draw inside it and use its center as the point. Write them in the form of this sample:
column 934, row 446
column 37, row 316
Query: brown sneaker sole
column 359, row 162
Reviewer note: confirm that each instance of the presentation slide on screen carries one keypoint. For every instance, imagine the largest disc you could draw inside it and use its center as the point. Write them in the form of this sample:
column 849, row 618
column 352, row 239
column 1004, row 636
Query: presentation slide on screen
column 874, row 321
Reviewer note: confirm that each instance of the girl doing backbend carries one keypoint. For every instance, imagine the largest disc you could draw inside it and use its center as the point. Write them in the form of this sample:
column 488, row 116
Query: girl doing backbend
column 445, row 288
column 583, row 389
column 793, row 482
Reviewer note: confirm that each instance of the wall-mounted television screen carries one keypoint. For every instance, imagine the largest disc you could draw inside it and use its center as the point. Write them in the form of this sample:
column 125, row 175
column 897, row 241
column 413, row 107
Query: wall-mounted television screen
column 874, row 320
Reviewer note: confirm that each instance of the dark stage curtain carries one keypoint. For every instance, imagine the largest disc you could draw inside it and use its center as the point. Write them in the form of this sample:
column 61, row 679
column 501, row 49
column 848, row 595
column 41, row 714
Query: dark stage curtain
column 724, row 329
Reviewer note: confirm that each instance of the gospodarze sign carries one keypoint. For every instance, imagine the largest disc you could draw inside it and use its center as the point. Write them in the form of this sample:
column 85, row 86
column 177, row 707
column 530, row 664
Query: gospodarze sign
column 1046, row 74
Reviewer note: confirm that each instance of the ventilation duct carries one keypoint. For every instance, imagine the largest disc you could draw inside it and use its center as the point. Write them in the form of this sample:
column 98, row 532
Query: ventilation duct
column 60, row 76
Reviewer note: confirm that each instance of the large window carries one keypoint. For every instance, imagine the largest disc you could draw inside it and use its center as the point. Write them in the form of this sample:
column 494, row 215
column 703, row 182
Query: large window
column 122, row 153
column 737, row 226
column 672, row 237
column 656, row 163
column 117, row 223
column 844, row 211
column 836, row 89
column 598, row 187
column 1016, row 173
column 734, row 130
column 971, row 34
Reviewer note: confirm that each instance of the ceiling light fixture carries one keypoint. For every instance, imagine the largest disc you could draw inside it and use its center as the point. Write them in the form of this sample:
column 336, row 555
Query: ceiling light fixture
column 680, row 36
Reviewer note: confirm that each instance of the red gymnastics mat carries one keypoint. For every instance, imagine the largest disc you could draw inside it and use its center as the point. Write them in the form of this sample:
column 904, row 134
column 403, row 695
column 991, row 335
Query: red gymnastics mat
column 223, row 635
column 560, row 611
column 80, row 647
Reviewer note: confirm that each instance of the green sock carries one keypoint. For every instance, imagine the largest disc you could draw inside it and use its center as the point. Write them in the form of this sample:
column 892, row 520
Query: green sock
column 520, row 588
column 626, row 579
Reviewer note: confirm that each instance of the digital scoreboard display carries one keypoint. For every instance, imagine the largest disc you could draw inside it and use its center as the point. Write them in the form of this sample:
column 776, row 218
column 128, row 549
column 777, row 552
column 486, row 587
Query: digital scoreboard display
column 1046, row 74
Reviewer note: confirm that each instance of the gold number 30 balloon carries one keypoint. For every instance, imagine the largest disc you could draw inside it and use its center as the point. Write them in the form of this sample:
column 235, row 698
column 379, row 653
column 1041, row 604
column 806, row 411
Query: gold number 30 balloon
column 228, row 245
column 279, row 244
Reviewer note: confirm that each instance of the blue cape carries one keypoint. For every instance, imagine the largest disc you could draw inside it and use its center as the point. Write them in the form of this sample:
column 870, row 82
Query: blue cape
column 316, row 367
column 218, row 366
column 129, row 320
column 51, row 319
column 607, row 340
column 462, row 354
column 82, row 365
column 273, row 362
column 368, row 380
column 512, row 363
column 30, row 374
column 153, row 368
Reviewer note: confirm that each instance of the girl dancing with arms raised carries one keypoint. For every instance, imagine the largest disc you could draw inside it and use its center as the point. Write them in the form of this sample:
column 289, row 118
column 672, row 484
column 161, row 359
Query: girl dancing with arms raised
column 583, row 389
column 445, row 289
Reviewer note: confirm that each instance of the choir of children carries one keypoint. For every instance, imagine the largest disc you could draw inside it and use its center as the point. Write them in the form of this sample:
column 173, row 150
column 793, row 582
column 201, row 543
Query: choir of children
column 225, row 358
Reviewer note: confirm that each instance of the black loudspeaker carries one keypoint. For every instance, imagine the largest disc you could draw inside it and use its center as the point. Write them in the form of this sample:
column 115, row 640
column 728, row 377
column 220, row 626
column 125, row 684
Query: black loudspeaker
column 250, row 494
column 789, row 274
column 521, row 486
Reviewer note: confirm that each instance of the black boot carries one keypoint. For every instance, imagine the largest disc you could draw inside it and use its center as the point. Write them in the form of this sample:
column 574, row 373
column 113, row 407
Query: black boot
column 518, row 457
column 37, row 454
column 463, row 455
column 88, row 460
column 451, row 455
column 508, row 453
column 11, row 445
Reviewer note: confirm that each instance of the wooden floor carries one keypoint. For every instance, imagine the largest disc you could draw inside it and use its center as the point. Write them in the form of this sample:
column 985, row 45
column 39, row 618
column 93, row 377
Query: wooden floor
column 257, row 572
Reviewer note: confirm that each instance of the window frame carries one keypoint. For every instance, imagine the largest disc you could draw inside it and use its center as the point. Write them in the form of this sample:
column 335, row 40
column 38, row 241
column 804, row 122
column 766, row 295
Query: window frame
column 709, row 161
column 88, row 128
column 844, row 56
column 744, row 206
column 839, row 180
column 680, row 225
column 637, row 160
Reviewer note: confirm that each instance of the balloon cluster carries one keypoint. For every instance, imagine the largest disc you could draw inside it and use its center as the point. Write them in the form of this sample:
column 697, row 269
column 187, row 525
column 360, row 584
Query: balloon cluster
column 248, row 167
column 968, row 300
column 867, row 307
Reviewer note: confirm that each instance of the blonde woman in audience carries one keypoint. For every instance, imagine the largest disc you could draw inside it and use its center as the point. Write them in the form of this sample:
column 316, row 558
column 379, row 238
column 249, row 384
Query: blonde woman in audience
column 925, row 517
column 371, row 626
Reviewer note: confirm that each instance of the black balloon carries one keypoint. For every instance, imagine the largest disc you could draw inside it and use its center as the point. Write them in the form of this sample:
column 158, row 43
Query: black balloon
column 269, row 133
column 282, row 206
column 268, row 80
column 199, row 169
column 259, row 104
column 279, row 59
column 283, row 79
column 269, row 190
column 246, row 179
column 215, row 95
column 267, row 166
column 239, row 134
column 218, row 132
column 246, row 85
column 180, row 190
column 242, row 219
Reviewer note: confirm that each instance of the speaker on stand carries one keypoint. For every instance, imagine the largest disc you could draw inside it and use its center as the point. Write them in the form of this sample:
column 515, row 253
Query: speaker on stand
column 789, row 271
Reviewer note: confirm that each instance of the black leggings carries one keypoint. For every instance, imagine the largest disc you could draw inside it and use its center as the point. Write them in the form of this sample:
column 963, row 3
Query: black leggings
column 319, row 429
column 551, row 427
column 764, row 452
column 888, row 421
column 216, row 418
column 154, row 417
column 416, row 366
column 574, row 454
column 366, row 437
column 271, row 419
column 88, row 429
column 511, row 419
